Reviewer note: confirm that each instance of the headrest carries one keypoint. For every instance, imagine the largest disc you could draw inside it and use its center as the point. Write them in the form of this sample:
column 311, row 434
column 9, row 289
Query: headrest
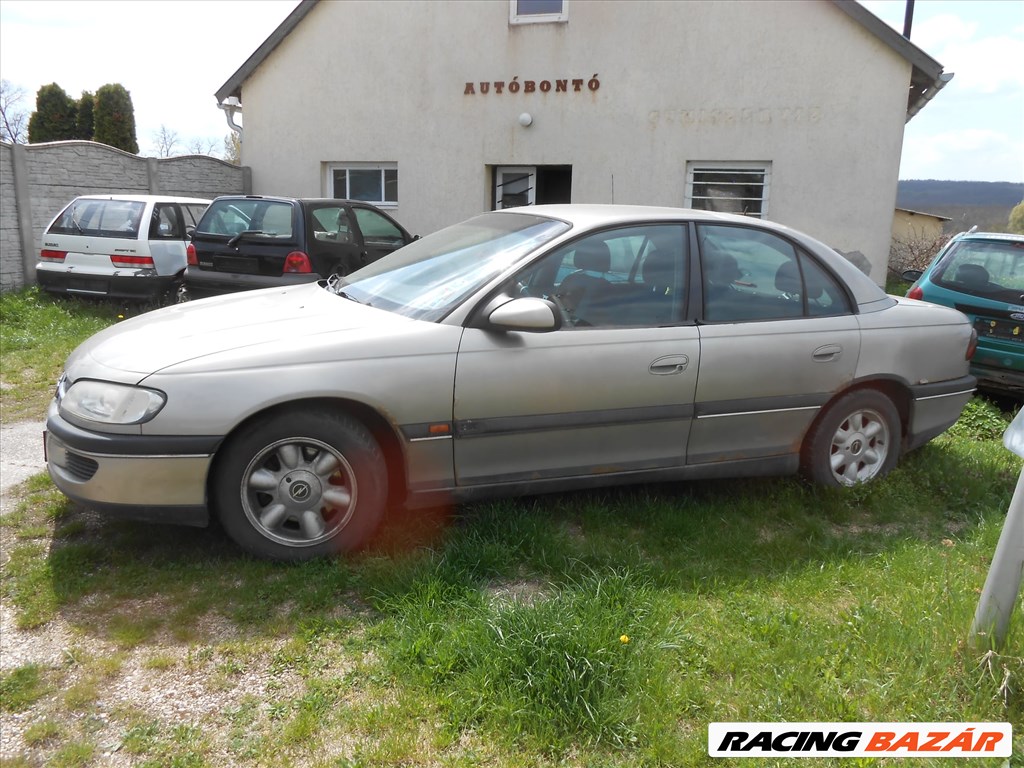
column 972, row 275
column 593, row 256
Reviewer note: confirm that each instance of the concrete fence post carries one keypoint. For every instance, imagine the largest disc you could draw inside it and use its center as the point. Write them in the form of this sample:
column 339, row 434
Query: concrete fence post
column 23, row 200
column 153, row 171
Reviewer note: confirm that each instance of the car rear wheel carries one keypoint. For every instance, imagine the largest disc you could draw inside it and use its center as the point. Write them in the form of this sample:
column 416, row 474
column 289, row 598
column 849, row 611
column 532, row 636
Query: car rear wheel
column 857, row 440
column 301, row 485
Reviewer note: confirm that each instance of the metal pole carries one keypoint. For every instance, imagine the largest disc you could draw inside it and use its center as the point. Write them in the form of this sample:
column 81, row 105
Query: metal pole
column 1002, row 586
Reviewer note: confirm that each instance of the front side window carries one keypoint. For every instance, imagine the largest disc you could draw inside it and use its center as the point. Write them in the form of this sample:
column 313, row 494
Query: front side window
column 991, row 269
column 538, row 11
column 624, row 278
column 729, row 188
column 100, row 218
column 751, row 275
column 367, row 182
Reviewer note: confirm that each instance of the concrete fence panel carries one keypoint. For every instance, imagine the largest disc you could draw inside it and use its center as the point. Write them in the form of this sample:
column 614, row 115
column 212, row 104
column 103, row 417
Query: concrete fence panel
column 38, row 180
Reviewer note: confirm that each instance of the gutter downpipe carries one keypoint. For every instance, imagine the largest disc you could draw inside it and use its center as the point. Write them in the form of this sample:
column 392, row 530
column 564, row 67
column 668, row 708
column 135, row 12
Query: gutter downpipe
column 231, row 105
column 940, row 82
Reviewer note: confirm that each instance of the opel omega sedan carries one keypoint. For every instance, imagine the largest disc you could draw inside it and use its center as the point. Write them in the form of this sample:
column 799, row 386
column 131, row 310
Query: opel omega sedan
column 522, row 351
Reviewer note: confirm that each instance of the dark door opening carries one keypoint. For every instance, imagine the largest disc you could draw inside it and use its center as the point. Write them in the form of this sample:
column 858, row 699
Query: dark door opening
column 531, row 185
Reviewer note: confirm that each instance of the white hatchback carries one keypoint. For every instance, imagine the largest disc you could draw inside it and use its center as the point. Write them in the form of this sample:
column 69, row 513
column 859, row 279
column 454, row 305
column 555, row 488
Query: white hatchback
column 119, row 246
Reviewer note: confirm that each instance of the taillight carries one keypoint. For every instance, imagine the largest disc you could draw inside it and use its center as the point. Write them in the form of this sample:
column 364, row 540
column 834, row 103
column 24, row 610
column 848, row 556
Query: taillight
column 297, row 261
column 191, row 257
column 915, row 293
column 48, row 255
column 972, row 345
column 119, row 260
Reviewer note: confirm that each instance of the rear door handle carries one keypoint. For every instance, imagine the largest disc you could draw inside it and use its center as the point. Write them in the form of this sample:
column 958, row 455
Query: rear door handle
column 670, row 364
column 827, row 353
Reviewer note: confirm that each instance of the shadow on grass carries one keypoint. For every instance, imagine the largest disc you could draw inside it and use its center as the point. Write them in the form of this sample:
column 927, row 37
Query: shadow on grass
column 692, row 537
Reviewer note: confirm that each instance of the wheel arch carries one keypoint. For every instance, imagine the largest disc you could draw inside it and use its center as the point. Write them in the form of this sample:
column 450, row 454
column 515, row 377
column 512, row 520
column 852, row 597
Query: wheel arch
column 381, row 429
column 894, row 388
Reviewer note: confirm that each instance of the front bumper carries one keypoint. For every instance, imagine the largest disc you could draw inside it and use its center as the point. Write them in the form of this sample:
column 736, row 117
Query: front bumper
column 141, row 477
column 132, row 285
column 935, row 408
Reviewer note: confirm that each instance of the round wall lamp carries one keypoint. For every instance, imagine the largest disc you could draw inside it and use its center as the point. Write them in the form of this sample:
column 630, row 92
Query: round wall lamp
column 526, row 119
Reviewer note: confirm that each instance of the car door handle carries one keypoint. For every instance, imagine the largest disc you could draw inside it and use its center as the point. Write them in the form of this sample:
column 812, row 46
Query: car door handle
column 827, row 353
column 666, row 366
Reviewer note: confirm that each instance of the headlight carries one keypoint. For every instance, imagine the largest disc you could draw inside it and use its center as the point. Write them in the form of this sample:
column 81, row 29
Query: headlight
column 110, row 403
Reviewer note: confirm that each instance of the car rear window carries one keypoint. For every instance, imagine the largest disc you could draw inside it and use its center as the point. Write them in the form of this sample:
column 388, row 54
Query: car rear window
column 260, row 218
column 100, row 218
column 992, row 269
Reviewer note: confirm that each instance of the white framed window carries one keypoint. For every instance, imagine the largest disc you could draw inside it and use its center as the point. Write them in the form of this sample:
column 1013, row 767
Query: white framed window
column 375, row 183
column 729, row 187
column 537, row 11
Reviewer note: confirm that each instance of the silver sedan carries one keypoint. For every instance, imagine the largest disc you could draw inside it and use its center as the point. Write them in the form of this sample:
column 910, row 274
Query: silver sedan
column 522, row 351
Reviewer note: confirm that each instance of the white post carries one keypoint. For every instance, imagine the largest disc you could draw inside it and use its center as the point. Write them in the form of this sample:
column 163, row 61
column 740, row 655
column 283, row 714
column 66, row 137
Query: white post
column 1002, row 586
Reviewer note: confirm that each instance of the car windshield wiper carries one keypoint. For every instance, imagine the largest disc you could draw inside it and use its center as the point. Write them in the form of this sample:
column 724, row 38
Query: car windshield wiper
column 241, row 234
column 74, row 220
column 336, row 282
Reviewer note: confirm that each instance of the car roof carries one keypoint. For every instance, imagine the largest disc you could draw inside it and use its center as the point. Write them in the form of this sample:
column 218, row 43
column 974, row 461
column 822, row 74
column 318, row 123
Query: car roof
column 145, row 198
column 1008, row 236
column 279, row 199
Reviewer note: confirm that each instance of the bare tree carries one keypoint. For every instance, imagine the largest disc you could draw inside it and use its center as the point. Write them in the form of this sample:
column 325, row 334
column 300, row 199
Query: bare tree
column 13, row 119
column 914, row 253
column 165, row 140
column 233, row 148
column 200, row 146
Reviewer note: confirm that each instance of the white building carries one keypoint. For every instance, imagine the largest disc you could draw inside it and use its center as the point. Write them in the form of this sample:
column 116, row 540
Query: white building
column 438, row 109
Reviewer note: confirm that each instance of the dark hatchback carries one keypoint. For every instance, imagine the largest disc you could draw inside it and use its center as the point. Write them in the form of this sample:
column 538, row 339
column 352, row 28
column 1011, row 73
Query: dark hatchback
column 248, row 242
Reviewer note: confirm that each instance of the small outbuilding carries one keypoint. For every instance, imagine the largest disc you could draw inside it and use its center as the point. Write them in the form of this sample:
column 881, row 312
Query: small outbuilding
column 439, row 109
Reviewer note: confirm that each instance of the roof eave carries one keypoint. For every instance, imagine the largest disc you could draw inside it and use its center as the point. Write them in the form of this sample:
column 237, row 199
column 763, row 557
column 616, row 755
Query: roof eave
column 233, row 86
column 926, row 76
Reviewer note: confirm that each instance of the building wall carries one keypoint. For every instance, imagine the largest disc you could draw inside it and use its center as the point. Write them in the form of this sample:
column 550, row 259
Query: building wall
column 38, row 180
column 910, row 226
column 798, row 84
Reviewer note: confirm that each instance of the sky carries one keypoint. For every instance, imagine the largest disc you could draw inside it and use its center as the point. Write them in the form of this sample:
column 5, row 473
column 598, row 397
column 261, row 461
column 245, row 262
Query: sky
column 172, row 55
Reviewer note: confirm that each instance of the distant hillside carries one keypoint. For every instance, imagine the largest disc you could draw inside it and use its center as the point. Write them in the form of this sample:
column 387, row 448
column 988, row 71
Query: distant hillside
column 986, row 204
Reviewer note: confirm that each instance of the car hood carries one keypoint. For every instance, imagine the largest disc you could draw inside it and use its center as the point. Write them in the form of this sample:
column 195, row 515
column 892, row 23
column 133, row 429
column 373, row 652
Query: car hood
column 285, row 324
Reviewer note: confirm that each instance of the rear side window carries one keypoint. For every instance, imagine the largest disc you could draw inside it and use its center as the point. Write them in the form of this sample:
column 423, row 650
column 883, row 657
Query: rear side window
column 991, row 269
column 166, row 225
column 259, row 218
column 751, row 275
column 100, row 218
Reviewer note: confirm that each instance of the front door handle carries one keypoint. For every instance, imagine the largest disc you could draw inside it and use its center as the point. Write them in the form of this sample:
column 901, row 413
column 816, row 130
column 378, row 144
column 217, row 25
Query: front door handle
column 827, row 353
column 666, row 366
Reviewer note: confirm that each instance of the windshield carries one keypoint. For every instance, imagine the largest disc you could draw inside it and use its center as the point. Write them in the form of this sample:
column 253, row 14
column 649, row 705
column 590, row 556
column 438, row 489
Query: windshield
column 991, row 269
column 429, row 277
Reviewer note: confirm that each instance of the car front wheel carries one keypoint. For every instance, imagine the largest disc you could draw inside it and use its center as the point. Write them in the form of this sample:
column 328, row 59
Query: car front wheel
column 857, row 440
column 301, row 485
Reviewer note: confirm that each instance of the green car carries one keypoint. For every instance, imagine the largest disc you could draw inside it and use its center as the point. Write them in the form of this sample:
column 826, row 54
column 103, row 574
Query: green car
column 982, row 275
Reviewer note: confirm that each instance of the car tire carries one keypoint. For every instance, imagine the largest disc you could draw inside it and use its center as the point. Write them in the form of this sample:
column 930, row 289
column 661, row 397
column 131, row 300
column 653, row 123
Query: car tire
column 301, row 485
column 855, row 441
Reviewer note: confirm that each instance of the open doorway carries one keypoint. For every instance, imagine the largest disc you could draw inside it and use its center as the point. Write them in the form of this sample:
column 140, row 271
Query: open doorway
column 520, row 185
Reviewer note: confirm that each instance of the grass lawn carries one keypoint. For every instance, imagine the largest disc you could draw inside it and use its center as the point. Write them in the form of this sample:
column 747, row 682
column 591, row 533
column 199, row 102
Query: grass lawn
column 594, row 629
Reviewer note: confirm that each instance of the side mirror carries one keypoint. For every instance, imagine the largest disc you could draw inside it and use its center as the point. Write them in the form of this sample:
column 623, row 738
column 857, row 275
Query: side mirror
column 912, row 275
column 526, row 314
